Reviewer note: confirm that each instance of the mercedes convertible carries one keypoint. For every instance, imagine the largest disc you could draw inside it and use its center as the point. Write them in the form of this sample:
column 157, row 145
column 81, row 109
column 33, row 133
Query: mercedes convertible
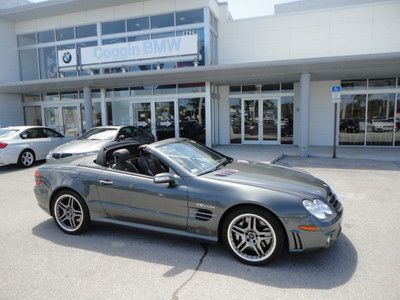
column 176, row 186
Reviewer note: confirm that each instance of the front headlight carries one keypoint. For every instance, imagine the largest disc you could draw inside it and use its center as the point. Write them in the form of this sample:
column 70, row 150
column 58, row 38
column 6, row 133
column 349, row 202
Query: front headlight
column 318, row 208
column 49, row 156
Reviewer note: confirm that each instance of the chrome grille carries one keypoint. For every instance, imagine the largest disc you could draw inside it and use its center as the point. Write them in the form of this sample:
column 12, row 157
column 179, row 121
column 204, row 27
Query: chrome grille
column 334, row 202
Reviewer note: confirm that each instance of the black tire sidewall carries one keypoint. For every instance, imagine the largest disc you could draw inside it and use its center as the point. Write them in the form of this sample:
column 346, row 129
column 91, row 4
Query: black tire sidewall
column 86, row 216
column 272, row 220
column 20, row 163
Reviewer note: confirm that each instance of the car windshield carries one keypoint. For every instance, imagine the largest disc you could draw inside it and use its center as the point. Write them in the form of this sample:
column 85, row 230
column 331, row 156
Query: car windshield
column 7, row 132
column 193, row 157
column 104, row 134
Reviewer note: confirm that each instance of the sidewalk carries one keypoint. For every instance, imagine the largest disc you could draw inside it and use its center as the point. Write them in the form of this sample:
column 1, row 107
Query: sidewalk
column 272, row 153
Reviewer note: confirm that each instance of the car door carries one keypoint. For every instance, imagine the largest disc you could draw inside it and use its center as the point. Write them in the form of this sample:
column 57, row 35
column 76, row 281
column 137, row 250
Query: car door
column 136, row 198
column 35, row 139
column 54, row 138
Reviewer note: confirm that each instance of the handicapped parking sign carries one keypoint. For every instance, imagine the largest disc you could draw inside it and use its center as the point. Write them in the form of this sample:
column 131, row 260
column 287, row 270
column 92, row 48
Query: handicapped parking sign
column 336, row 93
column 336, row 89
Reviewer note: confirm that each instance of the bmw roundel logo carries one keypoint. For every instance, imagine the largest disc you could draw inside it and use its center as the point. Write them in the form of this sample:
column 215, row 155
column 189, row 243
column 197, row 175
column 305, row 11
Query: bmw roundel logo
column 67, row 57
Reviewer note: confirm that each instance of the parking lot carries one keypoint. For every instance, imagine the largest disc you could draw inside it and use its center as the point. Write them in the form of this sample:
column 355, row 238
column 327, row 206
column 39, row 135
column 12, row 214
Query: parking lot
column 37, row 261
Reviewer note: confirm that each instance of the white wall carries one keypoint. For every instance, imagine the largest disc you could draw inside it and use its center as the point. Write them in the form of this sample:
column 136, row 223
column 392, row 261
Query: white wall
column 136, row 9
column 359, row 29
column 11, row 112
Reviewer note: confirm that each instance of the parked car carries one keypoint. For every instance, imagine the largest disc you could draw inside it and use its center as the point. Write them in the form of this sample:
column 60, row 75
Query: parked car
column 26, row 144
column 180, row 187
column 94, row 139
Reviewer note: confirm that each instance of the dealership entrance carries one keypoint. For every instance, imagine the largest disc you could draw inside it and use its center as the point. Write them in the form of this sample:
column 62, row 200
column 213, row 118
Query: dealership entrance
column 63, row 118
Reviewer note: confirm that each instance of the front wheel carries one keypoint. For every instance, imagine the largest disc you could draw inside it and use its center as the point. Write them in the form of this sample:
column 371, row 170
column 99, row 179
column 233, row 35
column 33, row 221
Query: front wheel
column 26, row 159
column 70, row 212
column 253, row 235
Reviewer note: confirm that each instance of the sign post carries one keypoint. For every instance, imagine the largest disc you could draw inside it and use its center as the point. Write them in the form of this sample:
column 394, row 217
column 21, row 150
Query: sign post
column 336, row 90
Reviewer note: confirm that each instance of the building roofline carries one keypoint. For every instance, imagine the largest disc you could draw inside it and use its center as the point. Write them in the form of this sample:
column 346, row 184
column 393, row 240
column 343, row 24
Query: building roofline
column 323, row 68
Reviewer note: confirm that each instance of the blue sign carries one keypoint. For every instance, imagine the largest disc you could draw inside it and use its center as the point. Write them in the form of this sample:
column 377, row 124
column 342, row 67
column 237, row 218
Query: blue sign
column 336, row 89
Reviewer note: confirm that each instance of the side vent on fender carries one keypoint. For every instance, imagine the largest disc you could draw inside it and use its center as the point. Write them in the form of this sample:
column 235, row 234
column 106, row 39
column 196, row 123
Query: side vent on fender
column 203, row 214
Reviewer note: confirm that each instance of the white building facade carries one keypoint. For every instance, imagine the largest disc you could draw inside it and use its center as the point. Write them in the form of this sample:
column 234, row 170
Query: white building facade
column 186, row 68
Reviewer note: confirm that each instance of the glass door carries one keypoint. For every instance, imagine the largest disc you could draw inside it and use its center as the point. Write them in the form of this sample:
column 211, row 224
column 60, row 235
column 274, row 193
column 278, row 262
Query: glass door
column 142, row 116
column 251, row 121
column 165, row 120
column 271, row 121
column 52, row 118
column 70, row 121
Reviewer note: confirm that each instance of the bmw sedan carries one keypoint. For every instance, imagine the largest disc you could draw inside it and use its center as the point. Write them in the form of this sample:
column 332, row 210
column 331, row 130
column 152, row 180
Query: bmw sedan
column 96, row 138
column 26, row 144
column 176, row 186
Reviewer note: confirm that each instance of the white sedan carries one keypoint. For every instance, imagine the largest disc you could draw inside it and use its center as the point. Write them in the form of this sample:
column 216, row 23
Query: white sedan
column 26, row 144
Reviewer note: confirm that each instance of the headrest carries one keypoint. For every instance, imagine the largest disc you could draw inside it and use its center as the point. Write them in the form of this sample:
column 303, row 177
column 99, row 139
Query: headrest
column 122, row 155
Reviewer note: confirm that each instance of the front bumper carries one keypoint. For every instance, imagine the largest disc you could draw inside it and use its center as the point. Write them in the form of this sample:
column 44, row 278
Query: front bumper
column 325, row 236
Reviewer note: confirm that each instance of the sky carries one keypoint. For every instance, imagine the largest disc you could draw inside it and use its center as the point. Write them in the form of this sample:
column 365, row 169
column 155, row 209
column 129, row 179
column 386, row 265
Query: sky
column 252, row 8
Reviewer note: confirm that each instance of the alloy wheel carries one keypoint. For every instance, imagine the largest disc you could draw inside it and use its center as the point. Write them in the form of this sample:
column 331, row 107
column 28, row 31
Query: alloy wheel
column 251, row 237
column 27, row 159
column 68, row 213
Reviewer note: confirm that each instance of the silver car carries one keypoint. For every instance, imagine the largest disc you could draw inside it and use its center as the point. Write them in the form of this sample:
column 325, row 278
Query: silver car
column 96, row 138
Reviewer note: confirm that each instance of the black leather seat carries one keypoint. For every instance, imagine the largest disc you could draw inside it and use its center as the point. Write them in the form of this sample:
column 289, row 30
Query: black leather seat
column 122, row 162
column 150, row 166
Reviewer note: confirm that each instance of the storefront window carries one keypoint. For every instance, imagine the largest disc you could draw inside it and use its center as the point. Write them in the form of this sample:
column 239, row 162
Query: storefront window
column 189, row 17
column 69, row 96
column 113, row 27
column 48, row 62
column 52, row 118
column 192, row 119
column 29, row 64
column 142, row 116
column 65, row 34
column 162, row 21
column 26, row 39
column 380, row 121
column 249, row 89
column 142, row 90
column 118, row 113
column 114, row 41
column 118, row 92
column 354, row 84
column 165, row 120
column 352, row 120
column 236, row 120
column 30, row 98
column 45, row 36
column 86, row 31
column 287, row 120
column 33, row 116
column 95, row 93
column 138, row 24
column 271, row 87
column 382, row 83
column 235, row 89
column 397, row 128
column 165, row 89
column 287, row 86
column 192, row 87
column 52, row 97
column 97, row 114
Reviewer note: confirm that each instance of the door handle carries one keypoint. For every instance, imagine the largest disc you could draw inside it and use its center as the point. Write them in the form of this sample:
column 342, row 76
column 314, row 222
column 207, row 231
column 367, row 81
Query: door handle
column 106, row 182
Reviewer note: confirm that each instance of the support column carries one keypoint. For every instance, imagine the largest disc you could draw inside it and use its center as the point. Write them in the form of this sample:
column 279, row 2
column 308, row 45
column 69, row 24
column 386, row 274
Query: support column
column 88, row 107
column 104, row 116
column 208, row 115
column 304, row 114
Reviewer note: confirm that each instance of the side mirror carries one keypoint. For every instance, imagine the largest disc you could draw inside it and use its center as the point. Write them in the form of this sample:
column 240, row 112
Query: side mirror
column 165, row 178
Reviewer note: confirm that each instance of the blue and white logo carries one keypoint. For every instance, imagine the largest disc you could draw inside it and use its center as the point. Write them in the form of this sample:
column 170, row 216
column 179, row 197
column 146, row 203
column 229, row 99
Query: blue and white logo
column 336, row 89
column 67, row 57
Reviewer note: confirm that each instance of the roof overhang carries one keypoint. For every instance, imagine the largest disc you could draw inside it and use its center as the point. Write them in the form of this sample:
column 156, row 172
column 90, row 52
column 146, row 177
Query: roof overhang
column 56, row 7
column 327, row 68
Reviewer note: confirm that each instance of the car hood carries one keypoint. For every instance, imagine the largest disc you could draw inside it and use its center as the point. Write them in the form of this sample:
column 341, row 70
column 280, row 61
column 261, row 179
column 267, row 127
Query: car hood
column 80, row 146
column 273, row 177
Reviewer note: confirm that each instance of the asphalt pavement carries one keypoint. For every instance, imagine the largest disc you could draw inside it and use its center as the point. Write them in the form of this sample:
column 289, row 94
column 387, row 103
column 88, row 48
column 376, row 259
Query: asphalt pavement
column 38, row 261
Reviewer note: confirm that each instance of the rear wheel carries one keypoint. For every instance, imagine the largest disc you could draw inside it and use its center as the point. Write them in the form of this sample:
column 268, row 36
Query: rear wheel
column 71, row 213
column 253, row 235
column 26, row 159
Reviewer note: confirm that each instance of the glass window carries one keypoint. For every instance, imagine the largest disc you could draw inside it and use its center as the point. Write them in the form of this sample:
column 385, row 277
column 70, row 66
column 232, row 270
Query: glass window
column 138, row 24
column 113, row 27
column 271, row 87
column 34, row 133
column 380, row 119
column 51, row 133
column 165, row 120
column 97, row 114
column 142, row 116
column 287, row 120
column 79, row 46
column 397, row 128
column 95, row 93
column 236, row 120
column 142, row 90
column 52, row 97
column 200, row 37
column 137, row 38
column 52, row 118
column 287, row 86
column 30, row 98
column 382, row 83
column 69, row 95
column 352, row 120
column 164, row 89
column 119, row 92
column 118, row 113
column 162, row 21
column 192, row 87
column 354, row 84
column 192, row 119
column 162, row 35
column 29, row 64
column 33, row 116
column 45, row 36
column 190, row 17
column 48, row 62
column 249, row 89
column 65, row 34
column 26, row 39
column 235, row 89
column 86, row 31
column 114, row 41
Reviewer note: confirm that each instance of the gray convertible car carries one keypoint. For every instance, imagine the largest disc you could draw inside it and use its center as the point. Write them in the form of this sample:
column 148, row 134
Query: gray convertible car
column 177, row 186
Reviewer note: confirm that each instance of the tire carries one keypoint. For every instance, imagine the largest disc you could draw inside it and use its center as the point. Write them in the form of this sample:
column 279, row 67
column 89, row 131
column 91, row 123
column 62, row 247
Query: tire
column 253, row 244
column 26, row 159
column 70, row 212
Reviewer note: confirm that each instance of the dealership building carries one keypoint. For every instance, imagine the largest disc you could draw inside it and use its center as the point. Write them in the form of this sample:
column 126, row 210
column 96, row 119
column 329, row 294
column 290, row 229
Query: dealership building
column 187, row 68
